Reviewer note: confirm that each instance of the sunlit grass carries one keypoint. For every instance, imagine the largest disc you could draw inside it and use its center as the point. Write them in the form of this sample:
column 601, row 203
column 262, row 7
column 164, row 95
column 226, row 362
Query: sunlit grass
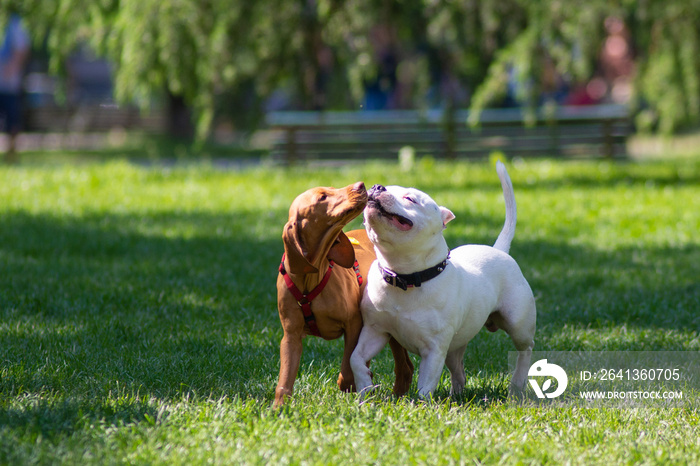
column 138, row 318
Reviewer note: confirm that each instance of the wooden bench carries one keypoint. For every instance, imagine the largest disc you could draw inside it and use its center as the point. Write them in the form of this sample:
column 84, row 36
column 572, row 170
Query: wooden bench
column 599, row 130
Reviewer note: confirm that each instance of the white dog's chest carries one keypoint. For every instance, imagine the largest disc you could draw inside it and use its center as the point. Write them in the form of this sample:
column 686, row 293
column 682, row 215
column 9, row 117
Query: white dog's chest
column 448, row 310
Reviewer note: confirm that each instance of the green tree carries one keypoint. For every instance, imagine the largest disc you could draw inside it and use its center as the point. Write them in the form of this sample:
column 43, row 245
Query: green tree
column 322, row 50
column 665, row 40
column 194, row 50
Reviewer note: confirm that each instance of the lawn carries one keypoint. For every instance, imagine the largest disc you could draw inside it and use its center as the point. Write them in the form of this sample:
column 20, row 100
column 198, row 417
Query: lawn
column 138, row 319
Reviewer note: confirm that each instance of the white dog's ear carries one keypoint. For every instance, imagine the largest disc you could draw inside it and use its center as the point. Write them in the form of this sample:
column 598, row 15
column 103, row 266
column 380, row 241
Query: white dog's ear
column 447, row 216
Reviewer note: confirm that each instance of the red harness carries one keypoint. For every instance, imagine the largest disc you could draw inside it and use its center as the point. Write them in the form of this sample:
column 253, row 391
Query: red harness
column 304, row 299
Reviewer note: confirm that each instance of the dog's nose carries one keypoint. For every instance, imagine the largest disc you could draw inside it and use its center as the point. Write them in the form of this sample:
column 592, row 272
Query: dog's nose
column 358, row 187
column 376, row 190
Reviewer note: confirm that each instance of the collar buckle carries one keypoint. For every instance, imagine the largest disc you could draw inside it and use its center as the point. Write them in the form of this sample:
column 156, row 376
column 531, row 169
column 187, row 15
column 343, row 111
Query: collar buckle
column 393, row 279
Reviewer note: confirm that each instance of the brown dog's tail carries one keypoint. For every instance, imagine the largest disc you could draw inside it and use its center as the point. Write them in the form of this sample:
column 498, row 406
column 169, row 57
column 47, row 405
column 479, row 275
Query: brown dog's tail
column 508, row 232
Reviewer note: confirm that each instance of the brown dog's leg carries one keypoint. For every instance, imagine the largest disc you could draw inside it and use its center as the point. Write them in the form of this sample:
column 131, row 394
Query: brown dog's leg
column 346, row 380
column 403, row 368
column 290, row 357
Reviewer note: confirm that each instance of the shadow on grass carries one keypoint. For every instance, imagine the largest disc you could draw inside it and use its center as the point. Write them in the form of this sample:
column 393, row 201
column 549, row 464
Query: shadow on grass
column 50, row 419
column 89, row 304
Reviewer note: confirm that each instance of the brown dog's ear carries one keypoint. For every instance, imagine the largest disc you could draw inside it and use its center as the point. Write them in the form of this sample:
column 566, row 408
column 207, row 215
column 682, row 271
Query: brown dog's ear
column 296, row 251
column 342, row 252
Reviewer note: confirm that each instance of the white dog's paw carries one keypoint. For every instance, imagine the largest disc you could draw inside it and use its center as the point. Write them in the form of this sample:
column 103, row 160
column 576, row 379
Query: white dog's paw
column 365, row 392
column 517, row 391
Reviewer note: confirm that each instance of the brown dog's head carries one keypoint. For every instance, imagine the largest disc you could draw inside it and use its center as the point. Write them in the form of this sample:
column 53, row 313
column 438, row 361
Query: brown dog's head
column 315, row 227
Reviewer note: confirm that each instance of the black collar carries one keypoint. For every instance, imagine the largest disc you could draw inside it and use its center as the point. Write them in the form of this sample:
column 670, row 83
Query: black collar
column 409, row 280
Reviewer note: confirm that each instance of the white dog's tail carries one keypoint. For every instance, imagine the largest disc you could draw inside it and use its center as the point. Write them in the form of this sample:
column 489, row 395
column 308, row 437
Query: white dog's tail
column 508, row 232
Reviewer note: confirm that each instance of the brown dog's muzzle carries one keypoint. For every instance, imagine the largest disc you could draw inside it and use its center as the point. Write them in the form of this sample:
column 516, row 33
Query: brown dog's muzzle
column 358, row 192
column 359, row 187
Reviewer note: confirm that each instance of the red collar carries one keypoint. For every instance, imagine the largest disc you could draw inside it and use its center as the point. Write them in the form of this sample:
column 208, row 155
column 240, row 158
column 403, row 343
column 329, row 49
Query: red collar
column 304, row 299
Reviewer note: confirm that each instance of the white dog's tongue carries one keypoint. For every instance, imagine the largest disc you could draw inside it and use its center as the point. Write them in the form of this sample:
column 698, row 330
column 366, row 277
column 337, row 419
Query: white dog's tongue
column 399, row 223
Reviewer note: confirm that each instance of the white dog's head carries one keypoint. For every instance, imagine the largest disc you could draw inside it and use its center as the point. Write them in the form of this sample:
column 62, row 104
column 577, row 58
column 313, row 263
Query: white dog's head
column 405, row 221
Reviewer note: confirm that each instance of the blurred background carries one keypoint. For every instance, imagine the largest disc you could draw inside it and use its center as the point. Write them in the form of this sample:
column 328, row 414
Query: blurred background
column 232, row 75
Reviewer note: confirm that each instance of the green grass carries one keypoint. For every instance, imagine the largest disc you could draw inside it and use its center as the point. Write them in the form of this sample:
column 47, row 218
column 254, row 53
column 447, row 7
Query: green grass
column 138, row 319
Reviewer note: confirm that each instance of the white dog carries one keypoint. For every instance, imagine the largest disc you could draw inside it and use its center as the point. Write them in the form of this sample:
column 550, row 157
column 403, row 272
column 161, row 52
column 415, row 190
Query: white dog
column 433, row 300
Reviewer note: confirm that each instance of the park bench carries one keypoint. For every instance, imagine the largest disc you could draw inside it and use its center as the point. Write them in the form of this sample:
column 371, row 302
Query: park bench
column 599, row 130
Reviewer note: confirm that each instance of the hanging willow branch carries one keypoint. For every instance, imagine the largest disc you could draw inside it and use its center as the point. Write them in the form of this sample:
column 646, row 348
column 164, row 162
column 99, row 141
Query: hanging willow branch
column 198, row 49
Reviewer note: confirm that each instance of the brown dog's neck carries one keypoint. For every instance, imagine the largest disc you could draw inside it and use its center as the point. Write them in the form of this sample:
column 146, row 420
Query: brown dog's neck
column 308, row 281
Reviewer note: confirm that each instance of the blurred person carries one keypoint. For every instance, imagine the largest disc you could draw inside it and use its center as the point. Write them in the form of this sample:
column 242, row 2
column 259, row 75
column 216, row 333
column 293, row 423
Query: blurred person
column 617, row 60
column 14, row 54
column 380, row 90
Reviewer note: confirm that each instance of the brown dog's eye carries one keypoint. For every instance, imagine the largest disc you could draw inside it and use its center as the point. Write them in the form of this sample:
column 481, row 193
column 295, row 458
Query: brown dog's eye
column 322, row 198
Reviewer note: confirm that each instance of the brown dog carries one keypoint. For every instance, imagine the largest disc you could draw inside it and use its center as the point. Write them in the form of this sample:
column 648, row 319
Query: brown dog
column 313, row 237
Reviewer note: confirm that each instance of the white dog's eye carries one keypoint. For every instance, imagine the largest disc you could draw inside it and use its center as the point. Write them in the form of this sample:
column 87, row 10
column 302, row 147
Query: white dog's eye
column 410, row 199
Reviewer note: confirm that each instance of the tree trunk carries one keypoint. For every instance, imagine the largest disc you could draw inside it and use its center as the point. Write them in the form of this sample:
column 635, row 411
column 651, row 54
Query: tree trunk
column 179, row 118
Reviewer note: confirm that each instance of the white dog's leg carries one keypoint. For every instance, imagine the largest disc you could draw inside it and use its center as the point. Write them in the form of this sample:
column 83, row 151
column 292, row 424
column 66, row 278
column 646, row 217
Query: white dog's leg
column 517, row 383
column 524, row 342
column 429, row 372
column 369, row 345
column 455, row 363
column 522, row 333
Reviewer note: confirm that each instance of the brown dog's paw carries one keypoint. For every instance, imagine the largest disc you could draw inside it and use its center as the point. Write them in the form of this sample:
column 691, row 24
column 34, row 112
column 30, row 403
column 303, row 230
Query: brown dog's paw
column 281, row 395
column 346, row 385
column 401, row 386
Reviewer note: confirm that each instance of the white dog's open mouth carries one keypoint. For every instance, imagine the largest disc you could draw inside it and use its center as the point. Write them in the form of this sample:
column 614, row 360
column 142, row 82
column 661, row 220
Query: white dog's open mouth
column 400, row 222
